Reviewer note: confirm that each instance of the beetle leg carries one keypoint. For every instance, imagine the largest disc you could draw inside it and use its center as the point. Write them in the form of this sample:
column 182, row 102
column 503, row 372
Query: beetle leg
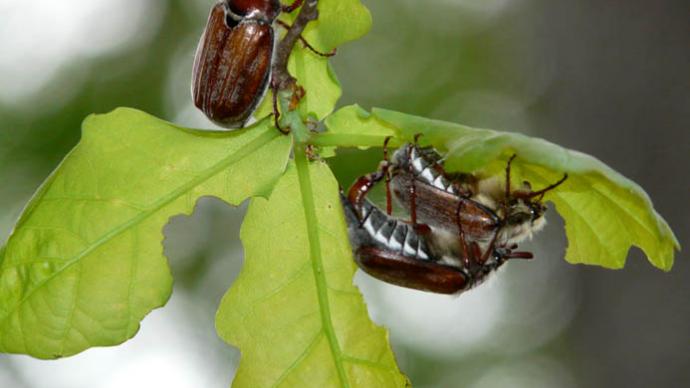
column 389, row 202
column 276, row 112
column 476, row 252
column 463, row 240
column 413, row 202
column 412, row 189
column 490, row 248
column 422, row 229
column 315, row 51
column 289, row 8
column 519, row 255
column 298, row 93
column 306, row 44
column 359, row 190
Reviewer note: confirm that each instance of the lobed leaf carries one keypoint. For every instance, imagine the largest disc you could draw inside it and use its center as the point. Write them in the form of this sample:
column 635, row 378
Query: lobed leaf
column 85, row 262
column 294, row 312
column 352, row 126
column 313, row 72
column 330, row 31
column 339, row 22
column 604, row 212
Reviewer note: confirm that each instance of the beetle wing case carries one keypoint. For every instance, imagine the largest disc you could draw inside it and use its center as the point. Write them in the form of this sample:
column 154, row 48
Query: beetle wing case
column 232, row 67
column 444, row 210
column 394, row 268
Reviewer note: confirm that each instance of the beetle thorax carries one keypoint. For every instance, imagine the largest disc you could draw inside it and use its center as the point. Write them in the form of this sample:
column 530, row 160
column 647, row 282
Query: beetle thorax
column 262, row 10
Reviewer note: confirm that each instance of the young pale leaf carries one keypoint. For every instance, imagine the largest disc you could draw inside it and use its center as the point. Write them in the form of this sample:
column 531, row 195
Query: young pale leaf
column 85, row 262
column 339, row 22
column 329, row 31
column 604, row 212
column 353, row 126
column 316, row 76
column 314, row 72
column 319, row 81
column 294, row 312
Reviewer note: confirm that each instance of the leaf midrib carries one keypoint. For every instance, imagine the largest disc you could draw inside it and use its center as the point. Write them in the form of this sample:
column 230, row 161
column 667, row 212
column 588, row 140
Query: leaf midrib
column 303, row 174
column 242, row 152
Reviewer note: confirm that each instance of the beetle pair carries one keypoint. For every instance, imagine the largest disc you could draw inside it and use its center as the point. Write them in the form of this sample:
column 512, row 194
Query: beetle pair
column 232, row 67
column 461, row 228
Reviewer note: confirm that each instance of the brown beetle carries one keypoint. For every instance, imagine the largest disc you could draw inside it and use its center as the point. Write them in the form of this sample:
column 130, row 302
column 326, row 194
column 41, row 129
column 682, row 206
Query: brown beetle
column 232, row 66
column 414, row 257
column 475, row 210
column 478, row 213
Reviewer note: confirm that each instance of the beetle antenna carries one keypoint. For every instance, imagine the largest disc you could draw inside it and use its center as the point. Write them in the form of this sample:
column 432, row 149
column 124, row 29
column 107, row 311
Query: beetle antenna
column 547, row 188
column 510, row 161
column 508, row 192
column 306, row 43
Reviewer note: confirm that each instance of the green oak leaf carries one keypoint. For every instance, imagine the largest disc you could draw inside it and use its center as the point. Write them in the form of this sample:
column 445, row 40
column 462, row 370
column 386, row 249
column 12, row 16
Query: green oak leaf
column 294, row 312
column 318, row 79
column 353, row 126
column 604, row 212
column 316, row 76
column 339, row 22
column 313, row 72
column 85, row 262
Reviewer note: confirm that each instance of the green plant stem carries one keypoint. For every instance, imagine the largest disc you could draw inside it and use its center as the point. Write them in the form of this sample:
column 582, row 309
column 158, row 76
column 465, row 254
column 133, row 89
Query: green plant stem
column 282, row 79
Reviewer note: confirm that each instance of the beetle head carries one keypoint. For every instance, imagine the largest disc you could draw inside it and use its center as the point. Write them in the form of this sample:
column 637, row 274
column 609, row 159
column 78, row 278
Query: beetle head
column 521, row 218
column 523, row 210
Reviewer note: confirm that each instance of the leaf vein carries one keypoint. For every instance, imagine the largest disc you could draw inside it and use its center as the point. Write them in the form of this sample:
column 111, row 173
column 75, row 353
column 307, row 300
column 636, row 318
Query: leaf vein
column 300, row 358
column 212, row 171
column 304, row 176
column 70, row 315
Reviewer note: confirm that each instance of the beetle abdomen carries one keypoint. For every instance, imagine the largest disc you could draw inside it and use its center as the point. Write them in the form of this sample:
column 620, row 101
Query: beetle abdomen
column 425, row 165
column 392, row 234
column 369, row 226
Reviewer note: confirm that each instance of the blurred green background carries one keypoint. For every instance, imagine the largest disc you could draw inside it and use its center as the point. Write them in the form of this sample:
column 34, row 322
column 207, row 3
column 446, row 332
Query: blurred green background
column 609, row 78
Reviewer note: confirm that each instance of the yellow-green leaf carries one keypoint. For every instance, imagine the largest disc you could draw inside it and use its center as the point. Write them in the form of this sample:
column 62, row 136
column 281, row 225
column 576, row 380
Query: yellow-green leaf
column 604, row 212
column 85, row 262
column 294, row 312
column 314, row 72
